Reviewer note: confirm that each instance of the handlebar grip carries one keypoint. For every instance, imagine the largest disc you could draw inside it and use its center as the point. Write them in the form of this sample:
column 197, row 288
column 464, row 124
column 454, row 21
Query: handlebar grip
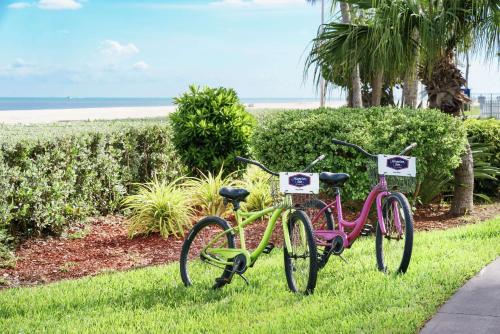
column 340, row 142
column 248, row 161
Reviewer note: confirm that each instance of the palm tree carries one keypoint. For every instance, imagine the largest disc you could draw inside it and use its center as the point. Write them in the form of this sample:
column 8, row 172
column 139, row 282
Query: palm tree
column 355, row 98
column 444, row 29
column 401, row 33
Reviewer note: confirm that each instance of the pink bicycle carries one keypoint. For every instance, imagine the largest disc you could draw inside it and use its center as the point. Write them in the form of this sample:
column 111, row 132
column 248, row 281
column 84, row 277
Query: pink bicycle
column 394, row 231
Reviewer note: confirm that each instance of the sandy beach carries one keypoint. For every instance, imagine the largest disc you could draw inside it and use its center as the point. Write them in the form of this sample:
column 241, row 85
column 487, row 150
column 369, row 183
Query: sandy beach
column 59, row 115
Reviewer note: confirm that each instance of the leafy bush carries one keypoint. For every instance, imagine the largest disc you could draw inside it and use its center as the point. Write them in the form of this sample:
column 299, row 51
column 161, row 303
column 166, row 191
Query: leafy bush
column 159, row 206
column 52, row 175
column 485, row 135
column 256, row 181
column 211, row 128
column 205, row 192
column 289, row 140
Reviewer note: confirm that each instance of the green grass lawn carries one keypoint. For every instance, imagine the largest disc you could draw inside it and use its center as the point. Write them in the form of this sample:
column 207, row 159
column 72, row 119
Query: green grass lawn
column 352, row 297
column 473, row 112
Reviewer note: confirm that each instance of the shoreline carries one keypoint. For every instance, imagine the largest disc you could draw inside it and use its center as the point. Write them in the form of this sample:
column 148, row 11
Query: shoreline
column 114, row 113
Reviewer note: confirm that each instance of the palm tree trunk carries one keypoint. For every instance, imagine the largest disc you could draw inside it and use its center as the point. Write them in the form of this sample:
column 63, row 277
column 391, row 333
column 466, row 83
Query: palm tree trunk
column 410, row 83
column 357, row 99
column 443, row 85
column 377, row 84
column 464, row 185
column 410, row 91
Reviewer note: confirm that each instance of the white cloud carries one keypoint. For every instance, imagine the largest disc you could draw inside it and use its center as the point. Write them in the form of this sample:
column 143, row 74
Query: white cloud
column 254, row 3
column 116, row 49
column 19, row 5
column 141, row 66
column 58, row 4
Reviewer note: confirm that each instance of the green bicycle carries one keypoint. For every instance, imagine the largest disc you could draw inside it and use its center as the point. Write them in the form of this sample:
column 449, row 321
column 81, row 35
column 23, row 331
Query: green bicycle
column 210, row 250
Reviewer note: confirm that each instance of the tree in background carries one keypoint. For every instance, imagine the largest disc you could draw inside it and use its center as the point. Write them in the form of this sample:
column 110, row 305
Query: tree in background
column 395, row 36
column 353, row 85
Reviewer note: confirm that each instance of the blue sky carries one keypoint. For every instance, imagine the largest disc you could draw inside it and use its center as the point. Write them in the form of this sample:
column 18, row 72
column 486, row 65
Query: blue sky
column 132, row 48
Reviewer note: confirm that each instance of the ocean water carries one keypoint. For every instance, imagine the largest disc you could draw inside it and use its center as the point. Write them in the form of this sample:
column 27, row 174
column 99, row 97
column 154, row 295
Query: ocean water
column 35, row 103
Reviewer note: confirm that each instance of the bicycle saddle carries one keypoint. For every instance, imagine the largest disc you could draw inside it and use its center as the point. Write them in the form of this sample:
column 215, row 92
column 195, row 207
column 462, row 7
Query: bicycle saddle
column 334, row 179
column 235, row 194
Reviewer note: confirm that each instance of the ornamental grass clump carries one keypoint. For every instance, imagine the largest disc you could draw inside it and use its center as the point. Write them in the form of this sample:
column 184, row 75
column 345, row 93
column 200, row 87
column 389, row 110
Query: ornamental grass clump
column 205, row 192
column 161, row 207
column 257, row 182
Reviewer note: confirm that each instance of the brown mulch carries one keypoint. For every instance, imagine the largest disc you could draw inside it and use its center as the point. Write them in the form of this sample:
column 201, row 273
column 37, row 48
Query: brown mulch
column 103, row 245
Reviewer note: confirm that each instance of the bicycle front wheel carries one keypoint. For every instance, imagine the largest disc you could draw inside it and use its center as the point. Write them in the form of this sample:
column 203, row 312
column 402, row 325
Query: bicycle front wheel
column 195, row 268
column 320, row 222
column 394, row 249
column 301, row 259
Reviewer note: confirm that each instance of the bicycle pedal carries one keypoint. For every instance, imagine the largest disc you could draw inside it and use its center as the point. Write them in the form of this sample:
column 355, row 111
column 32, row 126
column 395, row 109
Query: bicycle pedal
column 220, row 282
column 269, row 248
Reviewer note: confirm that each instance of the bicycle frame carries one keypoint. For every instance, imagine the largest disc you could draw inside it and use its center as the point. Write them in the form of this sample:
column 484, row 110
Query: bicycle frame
column 376, row 196
column 244, row 219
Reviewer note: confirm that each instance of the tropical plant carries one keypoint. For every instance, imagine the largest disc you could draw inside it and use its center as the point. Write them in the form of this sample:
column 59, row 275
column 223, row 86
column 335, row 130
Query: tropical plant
column 159, row 206
column 204, row 192
column 211, row 128
column 257, row 182
column 486, row 132
column 484, row 170
column 401, row 32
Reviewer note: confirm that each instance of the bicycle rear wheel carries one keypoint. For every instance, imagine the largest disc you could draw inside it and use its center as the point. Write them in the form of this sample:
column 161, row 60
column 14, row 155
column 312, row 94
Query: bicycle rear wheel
column 393, row 250
column 195, row 270
column 322, row 222
column 301, row 260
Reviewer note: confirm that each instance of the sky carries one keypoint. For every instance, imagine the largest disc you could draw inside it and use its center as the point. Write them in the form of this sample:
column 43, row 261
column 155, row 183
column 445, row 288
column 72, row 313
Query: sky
column 152, row 48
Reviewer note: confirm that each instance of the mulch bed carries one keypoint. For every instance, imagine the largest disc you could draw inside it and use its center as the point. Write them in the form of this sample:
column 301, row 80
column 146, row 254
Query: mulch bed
column 103, row 245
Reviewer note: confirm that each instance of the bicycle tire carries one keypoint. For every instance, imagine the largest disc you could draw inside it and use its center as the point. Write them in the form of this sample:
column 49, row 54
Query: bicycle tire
column 198, row 228
column 406, row 215
column 306, row 286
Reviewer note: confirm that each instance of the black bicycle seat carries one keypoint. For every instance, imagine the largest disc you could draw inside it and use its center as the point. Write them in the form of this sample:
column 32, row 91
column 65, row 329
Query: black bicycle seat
column 235, row 194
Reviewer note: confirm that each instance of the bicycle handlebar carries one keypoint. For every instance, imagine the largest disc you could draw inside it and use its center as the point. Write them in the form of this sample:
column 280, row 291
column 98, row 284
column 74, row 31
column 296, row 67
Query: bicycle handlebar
column 359, row 149
column 258, row 164
column 264, row 168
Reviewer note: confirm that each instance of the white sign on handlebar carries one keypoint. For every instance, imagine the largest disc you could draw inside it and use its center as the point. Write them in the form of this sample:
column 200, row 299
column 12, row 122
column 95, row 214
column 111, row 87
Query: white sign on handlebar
column 397, row 165
column 299, row 183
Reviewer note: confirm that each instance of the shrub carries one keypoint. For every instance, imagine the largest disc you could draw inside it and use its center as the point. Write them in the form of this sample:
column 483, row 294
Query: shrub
column 211, row 128
column 485, row 134
column 205, row 192
column 159, row 206
column 289, row 140
column 51, row 175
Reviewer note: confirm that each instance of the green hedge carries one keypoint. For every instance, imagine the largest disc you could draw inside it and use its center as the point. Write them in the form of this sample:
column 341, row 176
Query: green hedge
column 486, row 132
column 289, row 140
column 53, row 174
